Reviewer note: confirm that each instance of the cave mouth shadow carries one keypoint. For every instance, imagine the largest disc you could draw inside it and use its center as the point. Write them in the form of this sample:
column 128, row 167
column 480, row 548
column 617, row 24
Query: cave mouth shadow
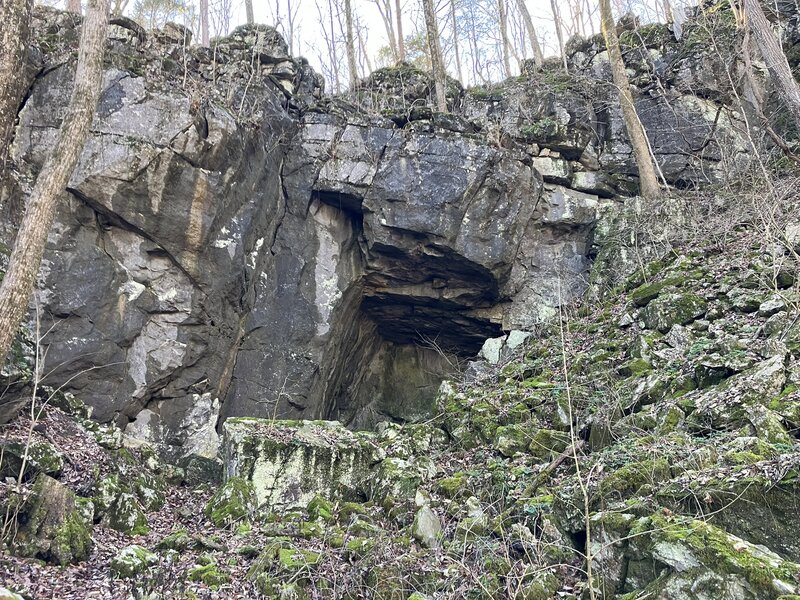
column 417, row 312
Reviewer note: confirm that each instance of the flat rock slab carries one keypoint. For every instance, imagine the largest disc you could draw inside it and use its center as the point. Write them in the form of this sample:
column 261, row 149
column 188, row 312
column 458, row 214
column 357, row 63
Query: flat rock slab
column 289, row 462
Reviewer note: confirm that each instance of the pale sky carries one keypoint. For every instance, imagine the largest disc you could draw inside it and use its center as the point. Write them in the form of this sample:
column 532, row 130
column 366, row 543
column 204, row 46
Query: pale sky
column 311, row 41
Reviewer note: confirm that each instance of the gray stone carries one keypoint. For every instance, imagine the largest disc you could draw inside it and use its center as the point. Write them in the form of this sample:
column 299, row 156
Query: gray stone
column 427, row 528
column 132, row 561
column 492, row 349
column 516, row 338
column 553, row 170
column 771, row 307
column 673, row 309
column 289, row 463
column 793, row 236
column 380, row 249
column 52, row 527
column 593, row 182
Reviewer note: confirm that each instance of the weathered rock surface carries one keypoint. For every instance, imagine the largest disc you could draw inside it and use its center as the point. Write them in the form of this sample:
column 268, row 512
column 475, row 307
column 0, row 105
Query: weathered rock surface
column 289, row 463
column 235, row 243
column 53, row 528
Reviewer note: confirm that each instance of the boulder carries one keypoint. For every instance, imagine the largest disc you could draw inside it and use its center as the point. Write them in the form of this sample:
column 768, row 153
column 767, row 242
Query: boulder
column 133, row 561
column 233, row 502
column 52, row 527
column 289, row 462
column 427, row 528
column 705, row 562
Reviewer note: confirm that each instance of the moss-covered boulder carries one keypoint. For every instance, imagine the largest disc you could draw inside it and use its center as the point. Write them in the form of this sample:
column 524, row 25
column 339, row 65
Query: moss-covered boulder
column 106, row 491
column 198, row 470
column 727, row 404
column 705, row 562
column 132, row 561
column 511, row 439
column 6, row 594
column 758, row 499
column 399, row 478
column 150, row 490
column 289, row 462
column 38, row 457
column 320, row 508
column 233, row 502
column 178, row 541
column 455, row 485
column 52, row 527
column 545, row 444
column 642, row 295
column 208, row 574
column 126, row 515
column 631, row 478
column 673, row 309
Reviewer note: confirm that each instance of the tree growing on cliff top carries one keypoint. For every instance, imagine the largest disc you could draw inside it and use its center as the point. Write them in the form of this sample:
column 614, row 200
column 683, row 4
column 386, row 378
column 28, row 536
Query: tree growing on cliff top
column 26, row 257
column 533, row 38
column 437, row 62
column 350, row 44
column 648, row 183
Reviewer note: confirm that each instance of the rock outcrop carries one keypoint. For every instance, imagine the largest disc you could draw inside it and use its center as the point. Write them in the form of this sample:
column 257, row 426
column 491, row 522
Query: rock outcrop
column 235, row 243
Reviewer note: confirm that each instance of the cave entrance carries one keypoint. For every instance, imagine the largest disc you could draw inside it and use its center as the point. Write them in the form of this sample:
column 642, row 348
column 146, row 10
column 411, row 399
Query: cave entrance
column 416, row 313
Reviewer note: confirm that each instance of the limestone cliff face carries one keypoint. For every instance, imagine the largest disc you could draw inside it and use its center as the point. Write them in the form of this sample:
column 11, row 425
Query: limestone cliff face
column 236, row 243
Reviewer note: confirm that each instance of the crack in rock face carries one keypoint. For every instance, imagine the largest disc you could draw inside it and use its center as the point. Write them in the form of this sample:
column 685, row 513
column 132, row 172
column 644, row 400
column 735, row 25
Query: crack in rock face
column 255, row 248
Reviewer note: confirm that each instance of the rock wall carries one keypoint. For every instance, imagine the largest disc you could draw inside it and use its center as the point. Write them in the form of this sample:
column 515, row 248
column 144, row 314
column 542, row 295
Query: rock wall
column 235, row 243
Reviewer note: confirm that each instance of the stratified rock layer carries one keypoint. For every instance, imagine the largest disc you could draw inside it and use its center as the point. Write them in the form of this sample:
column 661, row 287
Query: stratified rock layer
column 235, row 243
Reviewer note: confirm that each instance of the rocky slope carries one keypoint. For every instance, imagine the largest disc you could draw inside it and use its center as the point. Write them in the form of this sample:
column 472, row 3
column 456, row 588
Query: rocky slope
column 646, row 441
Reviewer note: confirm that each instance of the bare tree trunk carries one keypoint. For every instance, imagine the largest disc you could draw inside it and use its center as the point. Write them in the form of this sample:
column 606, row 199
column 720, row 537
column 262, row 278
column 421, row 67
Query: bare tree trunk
column 119, row 7
column 401, row 43
column 23, row 265
column 455, row 40
column 589, row 11
column 328, row 32
column 667, row 7
column 248, row 7
column 363, row 47
column 291, row 19
column 559, row 33
column 501, row 9
column 577, row 16
column 15, row 15
column 350, row 42
column 204, row 37
column 775, row 59
column 538, row 56
column 439, row 75
column 648, row 184
column 74, row 6
column 385, row 10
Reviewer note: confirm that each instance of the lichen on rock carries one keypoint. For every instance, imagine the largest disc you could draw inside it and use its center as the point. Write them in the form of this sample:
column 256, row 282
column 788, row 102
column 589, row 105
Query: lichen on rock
column 54, row 529
column 233, row 502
